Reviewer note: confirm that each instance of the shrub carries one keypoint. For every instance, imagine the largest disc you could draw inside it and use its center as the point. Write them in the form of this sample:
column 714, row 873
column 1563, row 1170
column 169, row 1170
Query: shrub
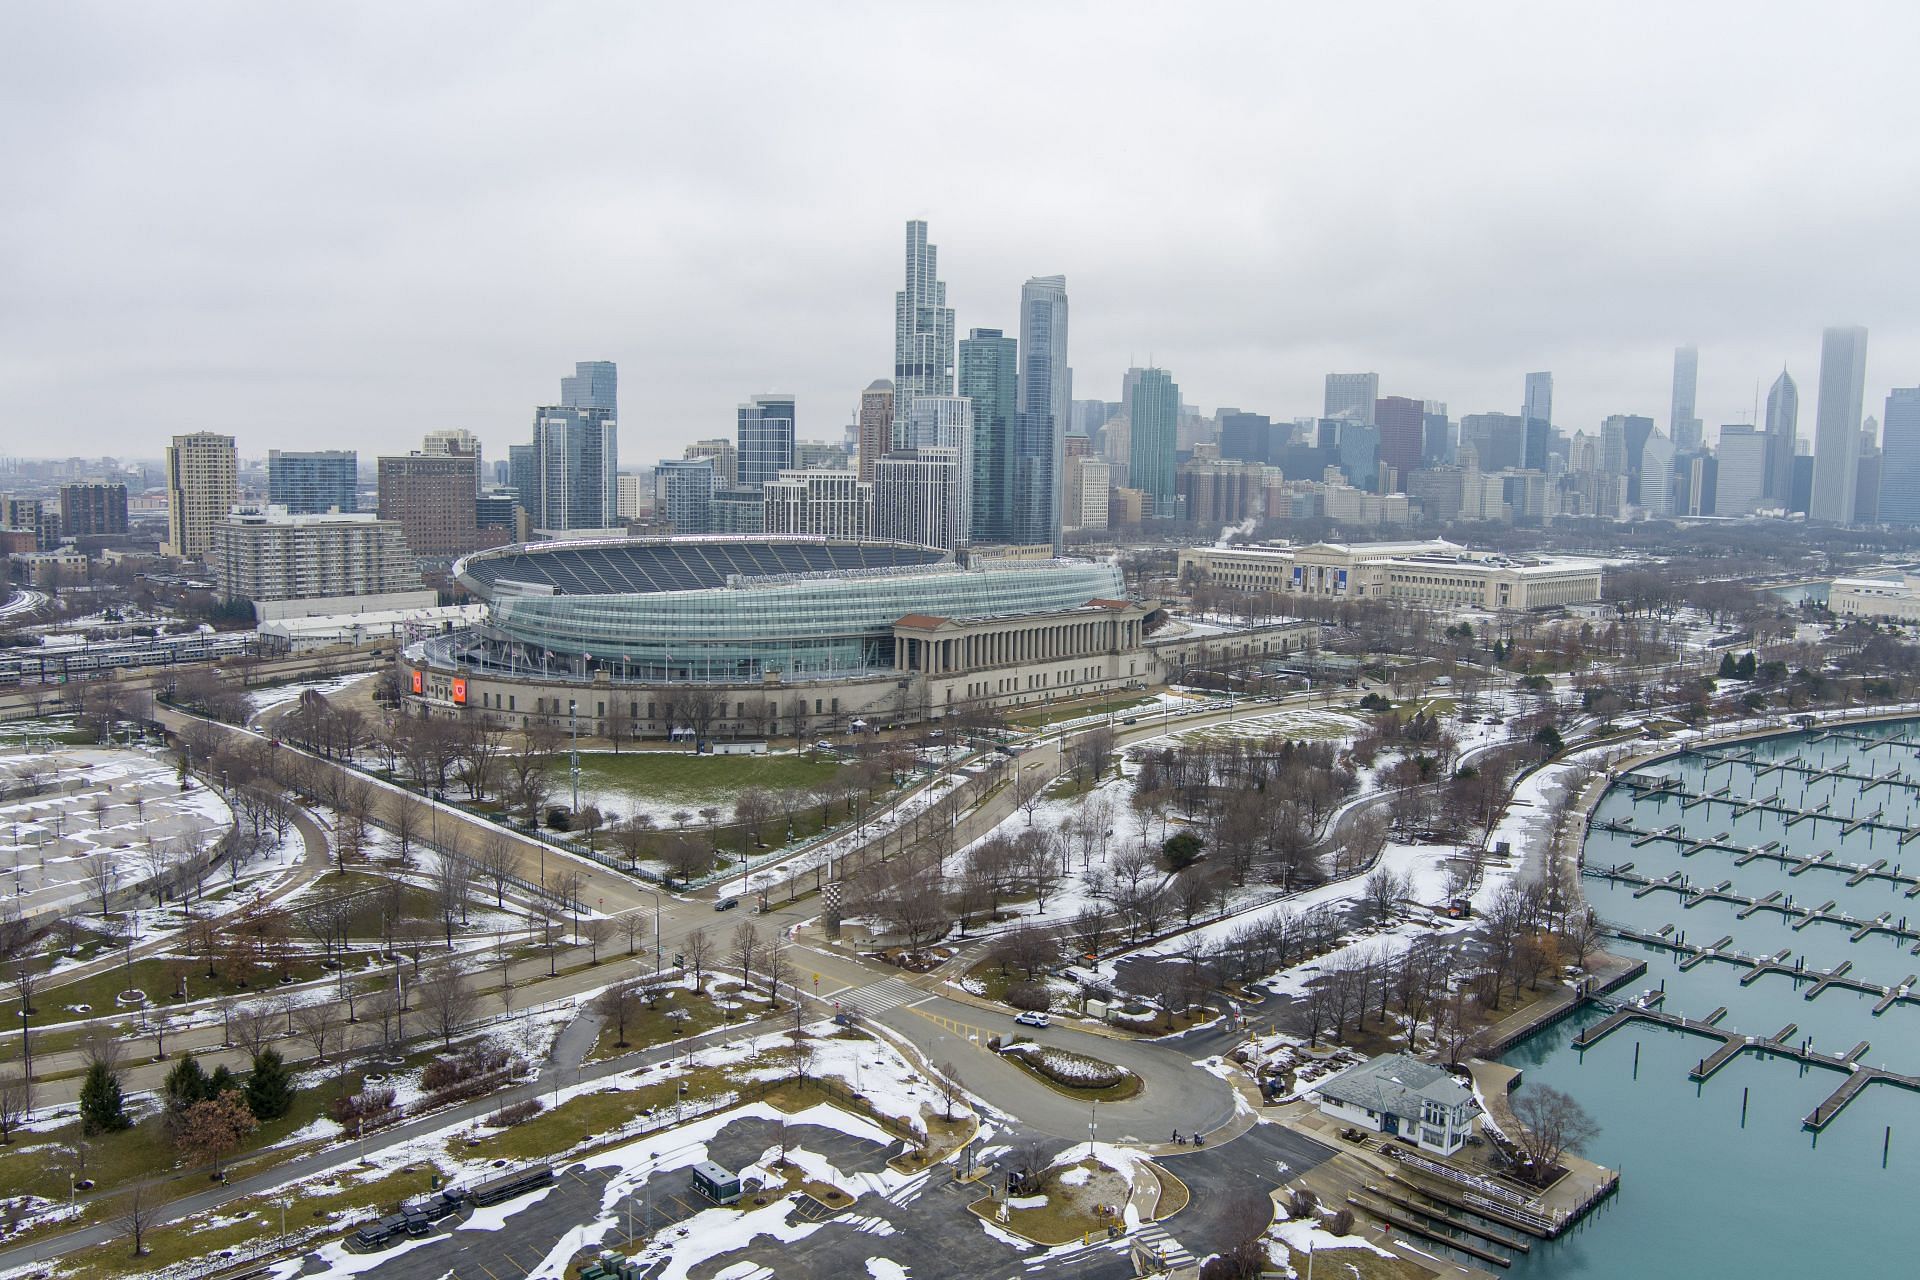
column 1074, row 1070
column 1181, row 849
column 1301, row 1203
column 515, row 1113
column 1341, row 1223
column 364, row 1110
column 1029, row 995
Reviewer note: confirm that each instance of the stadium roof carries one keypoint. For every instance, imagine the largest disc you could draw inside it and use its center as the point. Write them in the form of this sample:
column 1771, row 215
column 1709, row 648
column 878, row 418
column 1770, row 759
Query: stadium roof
column 684, row 564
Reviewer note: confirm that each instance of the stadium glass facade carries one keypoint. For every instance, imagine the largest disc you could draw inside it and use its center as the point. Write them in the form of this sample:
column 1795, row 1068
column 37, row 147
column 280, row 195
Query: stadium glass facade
column 732, row 611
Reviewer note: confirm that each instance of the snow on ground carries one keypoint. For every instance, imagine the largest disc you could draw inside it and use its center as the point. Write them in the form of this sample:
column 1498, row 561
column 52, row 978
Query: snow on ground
column 48, row 841
column 279, row 695
column 1306, row 1236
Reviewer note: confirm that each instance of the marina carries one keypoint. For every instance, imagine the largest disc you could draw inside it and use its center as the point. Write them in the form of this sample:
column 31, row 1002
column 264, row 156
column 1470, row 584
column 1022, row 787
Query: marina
column 1767, row 888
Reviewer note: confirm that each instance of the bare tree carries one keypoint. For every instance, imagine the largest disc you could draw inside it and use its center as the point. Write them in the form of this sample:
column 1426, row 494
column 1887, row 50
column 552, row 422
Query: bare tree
column 597, row 930
column 634, row 926
column 495, row 861
column 16, row 1104
column 776, row 965
column 137, row 1209
column 253, row 1026
column 1551, row 1124
column 620, row 1005
column 697, row 947
column 946, row 1078
column 746, row 945
column 1382, row 890
column 318, row 1024
column 448, row 1001
column 103, row 877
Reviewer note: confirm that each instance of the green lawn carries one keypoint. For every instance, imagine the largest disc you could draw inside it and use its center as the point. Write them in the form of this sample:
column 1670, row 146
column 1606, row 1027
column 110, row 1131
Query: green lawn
column 158, row 978
column 675, row 776
column 659, row 1025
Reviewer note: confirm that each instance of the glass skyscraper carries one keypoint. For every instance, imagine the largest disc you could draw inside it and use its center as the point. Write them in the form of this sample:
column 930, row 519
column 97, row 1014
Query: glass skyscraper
column 594, row 385
column 1155, row 409
column 1045, row 407
column 989, row 377
column 1900, row 458
column 922, row 330
column 577, row 456
column 313, row 483
column 764, row 441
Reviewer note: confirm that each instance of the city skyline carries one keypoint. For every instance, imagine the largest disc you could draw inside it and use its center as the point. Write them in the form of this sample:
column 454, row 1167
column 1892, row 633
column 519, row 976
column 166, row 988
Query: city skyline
column 225, row 291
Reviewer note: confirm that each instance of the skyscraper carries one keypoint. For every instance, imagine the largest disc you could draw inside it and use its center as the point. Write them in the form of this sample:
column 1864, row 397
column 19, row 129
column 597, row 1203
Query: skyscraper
column 765, row 440
column 523, row 474
column 1402, row 424
column 594, row 385
column 913, row 498
column 202, row 486
column 568, row 481
column 875, row 424
column 1438, row 448
column 1783, row 435
column 989, row 377
column 684, row 489
column 1045, row 406
column 1900, row 458
column 1836, row 423
column 1681, row 422
column 922, row 329
column 937, row 425
column 313, row 483
column 1744, row 459
column 577, row 456
column 1352, row 395
column 1155, row 402
column 1656, row 475
column 1536, row 411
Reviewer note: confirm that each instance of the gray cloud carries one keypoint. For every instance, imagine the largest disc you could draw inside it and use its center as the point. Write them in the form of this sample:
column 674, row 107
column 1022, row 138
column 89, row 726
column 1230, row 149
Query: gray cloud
column 353, row 223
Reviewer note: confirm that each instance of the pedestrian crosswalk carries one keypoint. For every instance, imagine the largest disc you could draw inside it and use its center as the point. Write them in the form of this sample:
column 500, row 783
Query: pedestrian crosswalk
column 877, row 997
column 1172, row 1254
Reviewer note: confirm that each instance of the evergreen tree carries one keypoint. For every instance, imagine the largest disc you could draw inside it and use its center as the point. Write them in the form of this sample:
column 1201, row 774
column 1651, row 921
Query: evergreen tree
column 269, row 1090
column 102, row 1109
column 1727, row 669
column 1749, row 665
column 185, row 1085
column 220, row 1079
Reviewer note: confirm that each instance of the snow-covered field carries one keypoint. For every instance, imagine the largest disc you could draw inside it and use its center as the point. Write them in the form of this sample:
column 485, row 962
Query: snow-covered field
column 280, row 695
column 126, row 803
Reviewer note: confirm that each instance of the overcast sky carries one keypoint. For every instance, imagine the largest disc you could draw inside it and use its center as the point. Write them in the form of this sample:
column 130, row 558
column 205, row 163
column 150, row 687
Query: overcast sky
column 343, row 225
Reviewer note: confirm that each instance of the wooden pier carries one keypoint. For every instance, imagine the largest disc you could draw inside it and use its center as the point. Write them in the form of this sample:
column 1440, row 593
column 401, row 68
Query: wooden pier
column 1732, row 1044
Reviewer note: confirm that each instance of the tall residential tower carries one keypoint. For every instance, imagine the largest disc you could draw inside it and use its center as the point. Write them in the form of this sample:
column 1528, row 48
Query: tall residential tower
column 922, row 330
column 1045, row 407
column 1836, row 423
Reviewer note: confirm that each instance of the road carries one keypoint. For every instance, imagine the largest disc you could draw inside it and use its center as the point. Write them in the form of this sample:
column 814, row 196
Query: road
column 1175, row 1096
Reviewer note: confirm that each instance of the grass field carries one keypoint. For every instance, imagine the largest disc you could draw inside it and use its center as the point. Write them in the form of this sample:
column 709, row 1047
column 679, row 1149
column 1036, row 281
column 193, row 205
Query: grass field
column 683, row 776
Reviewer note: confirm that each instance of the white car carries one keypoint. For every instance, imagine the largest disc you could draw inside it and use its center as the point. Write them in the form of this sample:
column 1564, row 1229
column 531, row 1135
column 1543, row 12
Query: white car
column 1031, row 1019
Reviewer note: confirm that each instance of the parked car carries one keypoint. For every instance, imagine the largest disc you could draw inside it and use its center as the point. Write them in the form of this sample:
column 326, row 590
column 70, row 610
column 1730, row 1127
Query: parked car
column 726, row 904
column 1032, row 1019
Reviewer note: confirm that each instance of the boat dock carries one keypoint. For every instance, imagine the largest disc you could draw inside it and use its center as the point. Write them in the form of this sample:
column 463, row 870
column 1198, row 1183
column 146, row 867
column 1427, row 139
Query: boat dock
column 1692, row 896
column 1856, row 872
column 1840, row 975
column 1732, row 1044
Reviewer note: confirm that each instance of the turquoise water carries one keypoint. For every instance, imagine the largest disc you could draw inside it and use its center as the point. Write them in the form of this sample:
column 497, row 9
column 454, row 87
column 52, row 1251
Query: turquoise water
column 1703, row 1193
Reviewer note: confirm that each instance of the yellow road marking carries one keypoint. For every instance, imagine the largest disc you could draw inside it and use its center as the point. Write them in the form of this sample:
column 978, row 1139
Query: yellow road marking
column 964, row 1030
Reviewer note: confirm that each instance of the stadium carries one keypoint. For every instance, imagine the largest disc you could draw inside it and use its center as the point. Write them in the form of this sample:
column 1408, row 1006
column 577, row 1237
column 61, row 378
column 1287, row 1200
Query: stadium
column 781, row 631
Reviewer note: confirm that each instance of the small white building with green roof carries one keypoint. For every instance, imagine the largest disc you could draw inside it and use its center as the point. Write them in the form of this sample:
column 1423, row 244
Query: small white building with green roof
column 1403, row 1097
